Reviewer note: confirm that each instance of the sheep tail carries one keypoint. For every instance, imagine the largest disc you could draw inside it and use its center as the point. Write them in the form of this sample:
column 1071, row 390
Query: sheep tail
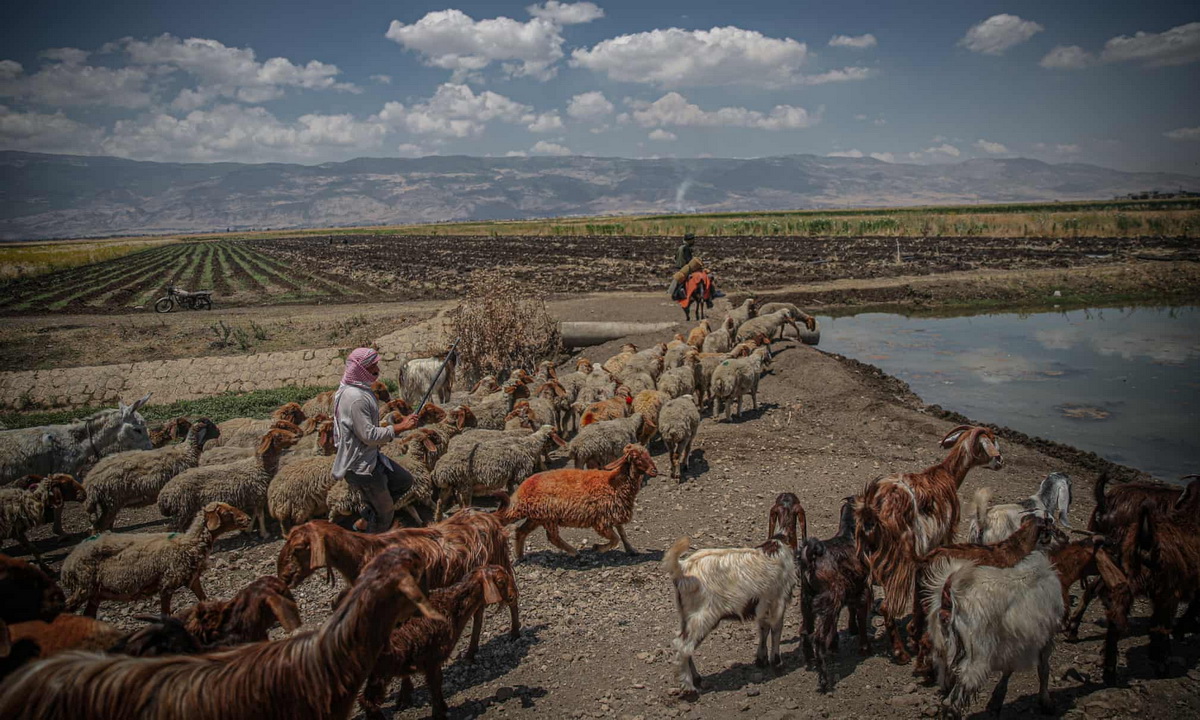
column 670, row 561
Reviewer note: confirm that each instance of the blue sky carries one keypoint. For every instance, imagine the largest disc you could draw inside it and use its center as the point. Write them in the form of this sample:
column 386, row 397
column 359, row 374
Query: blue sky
column 1109, row 83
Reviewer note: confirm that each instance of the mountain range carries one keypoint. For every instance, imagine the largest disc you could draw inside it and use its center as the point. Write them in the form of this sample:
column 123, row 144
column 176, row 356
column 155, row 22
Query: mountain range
column 52, row 196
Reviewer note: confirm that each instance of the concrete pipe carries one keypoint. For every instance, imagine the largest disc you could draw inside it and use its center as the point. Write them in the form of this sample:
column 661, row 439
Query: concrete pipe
column 584, row 334
column 810, row 337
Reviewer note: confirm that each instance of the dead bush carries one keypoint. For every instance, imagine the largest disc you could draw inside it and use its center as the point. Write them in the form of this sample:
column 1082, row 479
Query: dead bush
column 501, row 325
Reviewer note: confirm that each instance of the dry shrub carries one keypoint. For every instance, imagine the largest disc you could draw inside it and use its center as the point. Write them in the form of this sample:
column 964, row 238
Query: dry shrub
column 502, row 325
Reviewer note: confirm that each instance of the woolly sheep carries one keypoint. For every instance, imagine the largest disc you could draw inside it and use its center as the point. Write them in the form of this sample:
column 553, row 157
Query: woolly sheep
column 491, row 467
column 491, row 409
column 297, row 492
column 135, row 478
column 733, row 379
column 649, row 403
column 21, row 510
column 131, row 566
column 681, row 380
column 742, row 313
column 600, row 443
column 242, row 484
column 245, row 432
column 795, row 311
column 344, row 501
column 677, row 424
column 768, row 325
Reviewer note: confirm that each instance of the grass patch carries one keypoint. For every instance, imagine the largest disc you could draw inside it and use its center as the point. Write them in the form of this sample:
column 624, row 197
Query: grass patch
column 31, row 259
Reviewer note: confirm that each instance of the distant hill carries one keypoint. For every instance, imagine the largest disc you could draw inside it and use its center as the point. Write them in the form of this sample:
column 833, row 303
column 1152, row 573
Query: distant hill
column 43, row 196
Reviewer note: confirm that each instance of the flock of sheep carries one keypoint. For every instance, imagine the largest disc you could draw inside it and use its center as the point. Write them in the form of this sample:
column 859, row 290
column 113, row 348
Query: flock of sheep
column 994, row 603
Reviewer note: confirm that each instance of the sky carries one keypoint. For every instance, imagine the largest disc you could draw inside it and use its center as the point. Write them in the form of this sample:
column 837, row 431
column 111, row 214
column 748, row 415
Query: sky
column 1115, row 84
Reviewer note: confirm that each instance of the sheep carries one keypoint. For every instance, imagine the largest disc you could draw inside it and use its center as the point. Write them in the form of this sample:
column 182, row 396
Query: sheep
column 833, row 575
column 491, row 409
column 169, row 431
column 164, row 636
column 735, row 378
column 721, row 339
column 681, row 380
column 71, row 490
column 424, row 645
column 70, row 448
column 1052, row 500
column 132, row 566
column 322, row 403
column 297, row 492
column 419, row 376
column 1160, row 555
column 244, row 618
column 648, row 404
column 742, row 313
column 135, row 478
column 598, row 499
column 600, row 443
column 615, row 407
column 635, row 382
column 22, row 510
column 310, row 674
column 795, row 312
column 646, row 362
column 492, row 467
column 447, row 551
column 245, row 432
column 554, row 397
column 572, row 382
column 677, row 423
column 696, row 335
column 344, row 501
column 983, row 619
column 768, row 325
column 614, row 364
column 903, row 516
column 729, row 583
column 242, row 484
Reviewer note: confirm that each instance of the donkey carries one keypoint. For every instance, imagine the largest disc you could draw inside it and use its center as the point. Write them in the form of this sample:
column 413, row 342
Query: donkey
column 73, row 447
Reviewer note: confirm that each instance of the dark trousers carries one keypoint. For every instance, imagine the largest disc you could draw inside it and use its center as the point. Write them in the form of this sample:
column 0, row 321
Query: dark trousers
column 379, row 491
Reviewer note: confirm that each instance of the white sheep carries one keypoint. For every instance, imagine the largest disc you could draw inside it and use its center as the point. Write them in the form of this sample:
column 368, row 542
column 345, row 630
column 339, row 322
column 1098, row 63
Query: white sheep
column 131, row 566
column 721, row 339
column 992, row 525
column 729, row 583
column 344, row 501
column 768, row 325
column 493, row 466
column 134, row 478
column 735, row 378
column 742, row 313
column 297, row 492
column 681, row 380
column 242, row 484
column 491, row 410
column 602, row 442
column 983, row 619
column 677, row 424
column 793, row 309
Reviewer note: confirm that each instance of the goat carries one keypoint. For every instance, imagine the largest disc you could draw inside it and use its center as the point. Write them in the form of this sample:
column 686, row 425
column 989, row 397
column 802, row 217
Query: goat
column 244, row 618
column 903, row 516
column 833, row 575
column 311, row 674
column 448, row 551
column 991, row 525
column 785, row 514
column 417, row 377
column 983, row 619
column 729, row 583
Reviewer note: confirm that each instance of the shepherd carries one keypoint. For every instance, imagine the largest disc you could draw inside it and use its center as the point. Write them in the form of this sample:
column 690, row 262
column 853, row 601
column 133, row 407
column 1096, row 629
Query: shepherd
column 692, row 284
column 358, row 437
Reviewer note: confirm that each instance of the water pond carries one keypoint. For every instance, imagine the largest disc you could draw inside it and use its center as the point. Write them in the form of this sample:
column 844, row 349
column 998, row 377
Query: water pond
column 1121, row 382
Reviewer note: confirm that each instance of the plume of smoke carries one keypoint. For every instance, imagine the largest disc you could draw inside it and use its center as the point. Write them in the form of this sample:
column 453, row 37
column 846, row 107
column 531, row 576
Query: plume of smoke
column 680, row 193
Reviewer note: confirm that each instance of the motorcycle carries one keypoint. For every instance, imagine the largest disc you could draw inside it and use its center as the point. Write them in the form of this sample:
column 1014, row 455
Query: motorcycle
column 199, row 300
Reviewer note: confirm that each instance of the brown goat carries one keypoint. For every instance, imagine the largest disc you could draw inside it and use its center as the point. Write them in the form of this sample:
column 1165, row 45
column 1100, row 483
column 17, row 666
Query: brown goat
column 170, row 431
column 246, row 617
column 311, row 674
column 1034, row 533
column 163, row 636
column 448, row 551
column 785, row 514
column 424, row 645
column 833, row 575
column 903, row 516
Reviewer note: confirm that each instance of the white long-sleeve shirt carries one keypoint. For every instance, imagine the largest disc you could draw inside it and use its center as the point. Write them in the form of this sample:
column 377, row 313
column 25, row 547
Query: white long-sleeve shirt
column 356, row 431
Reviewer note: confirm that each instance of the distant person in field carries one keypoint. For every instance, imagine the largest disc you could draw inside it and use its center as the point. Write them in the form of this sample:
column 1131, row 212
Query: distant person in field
column 358, row 437
column 684, row 254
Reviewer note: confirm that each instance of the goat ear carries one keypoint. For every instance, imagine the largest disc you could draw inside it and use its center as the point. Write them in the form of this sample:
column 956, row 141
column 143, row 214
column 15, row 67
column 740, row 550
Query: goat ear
column 137, row 404
column 491, row 593
column 1190, row 491
column 412, row 591
column 285, row 611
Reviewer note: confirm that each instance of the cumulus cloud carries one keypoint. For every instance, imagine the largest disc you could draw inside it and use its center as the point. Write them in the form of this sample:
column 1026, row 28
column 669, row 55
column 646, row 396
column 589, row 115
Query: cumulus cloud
column 998, row 33
column 1068, row 57
column 991, row 148
column 456, row 111
column 839, row 75
column 674, row 109
column 66, row 55
column 858, row 42
column 562, row 13
column 945, row 151
column 1178, row 46
column 663, row 135
column 679, row 58
column 412, row 150
column 453, row 40
column 846, row 153
column 382, row 79
column 1192, row 133
column 238, row 132
column 589, row 106
column 884, row 157
column 542, row 147
column 40, row 132
column 228, row 72
column 66, row 84
column 546, row 122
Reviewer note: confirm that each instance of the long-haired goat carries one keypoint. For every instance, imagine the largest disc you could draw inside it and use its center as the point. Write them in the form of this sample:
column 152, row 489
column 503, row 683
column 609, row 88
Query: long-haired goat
column 729, row 583
column 1052, row 500
column 245, row 617
column 833, row 575
column 983, row 619
column 311, row 674
column 903, row 516
column 785, row 515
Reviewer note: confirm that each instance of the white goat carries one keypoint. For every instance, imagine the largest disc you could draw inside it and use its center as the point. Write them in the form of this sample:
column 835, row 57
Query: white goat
column 416, row 375
column 992, row 525
column 983, row 619
column 723, row 583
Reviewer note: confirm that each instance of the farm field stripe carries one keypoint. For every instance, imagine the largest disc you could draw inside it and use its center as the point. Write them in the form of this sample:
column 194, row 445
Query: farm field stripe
column 276, row 278
column 220, row 271
column 294, row 266
column 88, row 286
column 245, row 279
column 101, row 296
column 68, row 282
column 151, row 287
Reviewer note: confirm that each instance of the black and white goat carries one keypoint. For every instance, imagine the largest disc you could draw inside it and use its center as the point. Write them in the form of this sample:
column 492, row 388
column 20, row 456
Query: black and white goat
column 992, row 525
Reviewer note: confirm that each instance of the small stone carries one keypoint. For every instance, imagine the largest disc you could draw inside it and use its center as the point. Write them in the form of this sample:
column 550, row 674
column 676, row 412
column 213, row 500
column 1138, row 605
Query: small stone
column 904, row 700
column 910, row 688
column 505, row 693
column 753, row 692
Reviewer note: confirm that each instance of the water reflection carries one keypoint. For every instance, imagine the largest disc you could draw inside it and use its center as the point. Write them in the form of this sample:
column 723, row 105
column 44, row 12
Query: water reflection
column 1122, row 382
